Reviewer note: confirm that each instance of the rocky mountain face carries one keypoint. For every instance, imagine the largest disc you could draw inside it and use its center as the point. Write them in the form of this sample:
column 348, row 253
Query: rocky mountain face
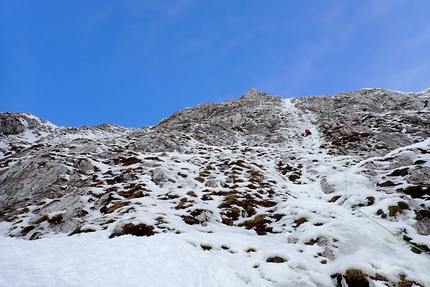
column 370, row 121
column 242, row 163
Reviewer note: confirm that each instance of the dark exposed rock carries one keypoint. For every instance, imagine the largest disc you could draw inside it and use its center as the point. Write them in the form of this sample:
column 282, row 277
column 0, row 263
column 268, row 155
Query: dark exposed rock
column 15, row 123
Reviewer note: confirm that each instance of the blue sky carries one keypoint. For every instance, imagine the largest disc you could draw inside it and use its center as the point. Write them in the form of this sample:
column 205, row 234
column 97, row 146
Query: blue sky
column 133, row 63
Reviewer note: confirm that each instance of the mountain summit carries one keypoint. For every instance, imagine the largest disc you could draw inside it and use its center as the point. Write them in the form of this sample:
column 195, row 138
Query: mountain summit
column 347, row 205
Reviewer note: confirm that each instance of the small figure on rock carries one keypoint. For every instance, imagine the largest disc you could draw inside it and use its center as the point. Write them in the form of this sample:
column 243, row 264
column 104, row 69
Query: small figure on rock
column 307, row 132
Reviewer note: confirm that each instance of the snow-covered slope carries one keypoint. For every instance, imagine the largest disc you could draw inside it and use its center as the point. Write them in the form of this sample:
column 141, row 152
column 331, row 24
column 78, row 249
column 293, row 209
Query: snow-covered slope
column 225, row 194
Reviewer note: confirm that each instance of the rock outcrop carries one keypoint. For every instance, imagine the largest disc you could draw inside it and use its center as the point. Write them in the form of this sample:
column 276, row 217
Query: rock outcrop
column 371, row 121
column 16, row 123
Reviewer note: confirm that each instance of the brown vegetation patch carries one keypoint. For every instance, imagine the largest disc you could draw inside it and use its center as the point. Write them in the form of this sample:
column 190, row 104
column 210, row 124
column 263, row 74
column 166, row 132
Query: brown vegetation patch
column 403, row 205
column 283, row 169
column 334, row 198
column 248, row 205
column 381, row 146
column 381, row 213
column 420, row 246
column 423, row 151
column 266, row 203
column 133, row 193
column 238, row 162
column 183, row 204
column 255, row 176
column 394, row 209
column 56, row 219
column 259, row 224
column 312, row 241
column 200, row 179
column 109, row 172
column 251, row 186
column 350, row 138
column 421, row 214
column 207, row 197
column 370, row 200
column 353, row 278
column 41, row 219
column 407, row 283
column 277, row 216
column 168, row 196
column 356, row 278
column 230, row 215
column 399, row 172
column 247, row 202
column 300, row 221
column 294, row 177
column 115, row 205
column 24, row 210
column 229, row 200
column 276, row 259
column 116, row 179
column 26, row 230
column 140, row 229
column 126, row 160
column 387, row 183
column 80, row 230
column 204, row 173
column 206, row 247
column 184, row 175
column 191, row 193
column 112, row 188
column 416, row 191
column 379, row 277
column 195, row 217
column 190, row 220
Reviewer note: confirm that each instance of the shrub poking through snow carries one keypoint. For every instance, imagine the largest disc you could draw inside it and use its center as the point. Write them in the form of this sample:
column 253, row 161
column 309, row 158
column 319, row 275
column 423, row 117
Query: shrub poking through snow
column 206, row 247
column 353, row 278
column 259, row 224
column 276, row 259
column 140, row 229
column 393, row 210
column 300, row 221
column 56, row 219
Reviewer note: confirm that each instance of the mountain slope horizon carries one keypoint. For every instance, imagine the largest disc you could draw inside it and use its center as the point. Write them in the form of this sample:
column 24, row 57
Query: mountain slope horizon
column 241, row 169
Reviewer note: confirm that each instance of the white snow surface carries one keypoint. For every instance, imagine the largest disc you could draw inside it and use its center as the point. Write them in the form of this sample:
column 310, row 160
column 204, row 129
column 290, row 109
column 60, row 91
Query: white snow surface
column 220, row 255
column 88, row 260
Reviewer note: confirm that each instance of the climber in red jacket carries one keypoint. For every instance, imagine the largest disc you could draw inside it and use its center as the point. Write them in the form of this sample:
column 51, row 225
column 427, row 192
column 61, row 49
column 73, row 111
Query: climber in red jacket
column 307, row 132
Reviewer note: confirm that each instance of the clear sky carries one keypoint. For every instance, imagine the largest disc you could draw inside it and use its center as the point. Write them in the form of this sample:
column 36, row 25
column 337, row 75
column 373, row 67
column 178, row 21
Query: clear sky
column 132, row 63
